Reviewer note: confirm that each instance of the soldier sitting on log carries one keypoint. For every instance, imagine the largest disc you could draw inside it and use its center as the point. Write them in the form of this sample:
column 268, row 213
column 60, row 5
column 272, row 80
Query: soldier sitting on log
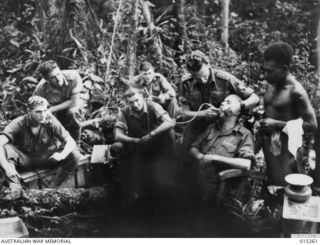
column 143, row 132
column 36, row 140
column 158, row 87
column 223, row 144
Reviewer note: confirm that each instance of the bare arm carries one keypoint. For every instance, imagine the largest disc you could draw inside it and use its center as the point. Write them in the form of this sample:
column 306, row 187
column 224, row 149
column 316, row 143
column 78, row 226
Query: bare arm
column 305, row 110
column 252, row 101
column 166, row 125
column 240, row 163
column 121, row 137
column 73, row 101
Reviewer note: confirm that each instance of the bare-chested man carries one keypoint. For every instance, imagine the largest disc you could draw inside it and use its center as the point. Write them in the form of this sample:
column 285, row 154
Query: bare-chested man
column 285, row 99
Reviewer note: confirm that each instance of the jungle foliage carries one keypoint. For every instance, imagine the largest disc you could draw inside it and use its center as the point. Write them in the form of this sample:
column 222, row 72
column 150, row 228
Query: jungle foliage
column 78, row 34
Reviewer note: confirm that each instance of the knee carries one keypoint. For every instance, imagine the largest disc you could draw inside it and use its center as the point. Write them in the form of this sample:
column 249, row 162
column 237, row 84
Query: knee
column 72, row 161
column 11, row 153
column 74, row 157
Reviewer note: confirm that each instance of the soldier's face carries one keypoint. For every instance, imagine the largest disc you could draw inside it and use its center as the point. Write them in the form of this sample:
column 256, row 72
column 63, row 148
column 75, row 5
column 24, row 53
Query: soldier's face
column 273, row 73
column 39, row 114
column 202, row 75
column 55, row 77
column 148, row 75
column 136, row 102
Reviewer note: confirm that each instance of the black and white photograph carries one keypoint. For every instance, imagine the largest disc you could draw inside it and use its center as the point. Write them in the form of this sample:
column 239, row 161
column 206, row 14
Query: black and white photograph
column 159, row 119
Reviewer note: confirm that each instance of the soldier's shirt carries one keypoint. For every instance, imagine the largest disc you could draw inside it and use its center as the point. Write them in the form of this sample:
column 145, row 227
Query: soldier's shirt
column 50, row 134
column 157, row 86
column 72, row 85
column 220, row 84
column 237, row 142
column 138, row 125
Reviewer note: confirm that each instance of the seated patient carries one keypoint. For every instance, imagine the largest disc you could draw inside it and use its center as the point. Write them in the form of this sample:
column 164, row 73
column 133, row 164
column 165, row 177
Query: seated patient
column 224, row 144
column 142, row 132
column 37, row 140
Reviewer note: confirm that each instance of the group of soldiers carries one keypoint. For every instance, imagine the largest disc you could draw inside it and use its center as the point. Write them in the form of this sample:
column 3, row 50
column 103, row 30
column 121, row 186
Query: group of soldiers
column 209, row 103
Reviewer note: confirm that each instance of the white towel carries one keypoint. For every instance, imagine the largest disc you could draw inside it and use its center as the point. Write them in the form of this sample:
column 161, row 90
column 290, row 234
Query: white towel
column 294, row 131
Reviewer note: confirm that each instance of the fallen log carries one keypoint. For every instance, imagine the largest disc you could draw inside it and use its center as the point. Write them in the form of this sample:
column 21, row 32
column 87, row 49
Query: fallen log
column 55, row 201
column 55, row 212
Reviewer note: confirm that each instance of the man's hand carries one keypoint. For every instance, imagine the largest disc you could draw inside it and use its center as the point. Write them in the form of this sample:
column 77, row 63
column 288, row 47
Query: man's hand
column 269, row 124
column 232, row 109
column 145, row 139
column 210, row 113
column 57, row 157
column 204, row 160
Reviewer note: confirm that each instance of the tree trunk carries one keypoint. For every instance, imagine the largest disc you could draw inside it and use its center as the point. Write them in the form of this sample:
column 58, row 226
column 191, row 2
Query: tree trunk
column 225, row 23
column 180, row 43
column 132, row 44
column 181, row 26
column 147, row 15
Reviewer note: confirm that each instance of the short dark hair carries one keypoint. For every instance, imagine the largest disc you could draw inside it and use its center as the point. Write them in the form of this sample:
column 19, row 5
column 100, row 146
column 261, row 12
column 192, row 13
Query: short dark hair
column 35, row 100
column 131, row 91
column 145, row 66
column 280, row 52
column 46, row 67
column 195, row 61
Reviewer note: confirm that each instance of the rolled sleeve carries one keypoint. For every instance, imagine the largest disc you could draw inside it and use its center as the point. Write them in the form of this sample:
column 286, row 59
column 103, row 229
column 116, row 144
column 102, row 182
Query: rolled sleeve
column 246, row 148
column 239, row 88
column 12, row 130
